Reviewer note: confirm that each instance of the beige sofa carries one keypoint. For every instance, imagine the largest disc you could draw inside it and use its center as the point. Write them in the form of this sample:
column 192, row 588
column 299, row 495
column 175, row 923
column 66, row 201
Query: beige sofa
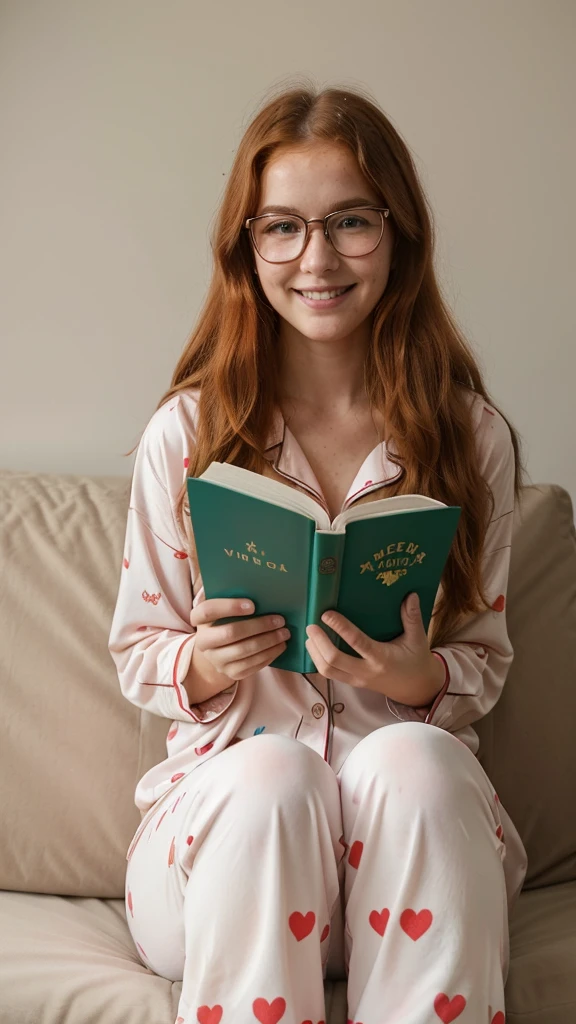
column 72, row 749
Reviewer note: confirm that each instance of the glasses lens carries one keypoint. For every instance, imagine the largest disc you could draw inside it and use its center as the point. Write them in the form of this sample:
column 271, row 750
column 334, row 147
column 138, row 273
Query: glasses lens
column 355, row 232
column 279, row 238
column 352, row 232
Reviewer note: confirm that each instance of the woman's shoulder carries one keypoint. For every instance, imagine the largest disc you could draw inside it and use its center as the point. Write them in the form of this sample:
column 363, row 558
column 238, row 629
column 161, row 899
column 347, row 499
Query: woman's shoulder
column 489, row 425
column 173, row 424
column 496, row 455
column 165, row 446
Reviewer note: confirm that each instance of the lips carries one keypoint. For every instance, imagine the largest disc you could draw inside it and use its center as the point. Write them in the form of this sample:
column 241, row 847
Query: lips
column 334, row 288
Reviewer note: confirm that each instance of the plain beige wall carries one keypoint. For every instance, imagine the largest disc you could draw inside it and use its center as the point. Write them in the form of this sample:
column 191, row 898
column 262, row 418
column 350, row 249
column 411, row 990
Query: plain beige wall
column 119, row 120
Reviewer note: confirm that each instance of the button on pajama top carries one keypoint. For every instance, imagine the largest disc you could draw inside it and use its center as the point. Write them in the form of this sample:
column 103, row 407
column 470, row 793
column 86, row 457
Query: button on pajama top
column 324, row 839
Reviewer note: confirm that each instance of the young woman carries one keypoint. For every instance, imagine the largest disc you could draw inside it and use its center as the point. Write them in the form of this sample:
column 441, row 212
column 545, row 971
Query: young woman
column 338, row 822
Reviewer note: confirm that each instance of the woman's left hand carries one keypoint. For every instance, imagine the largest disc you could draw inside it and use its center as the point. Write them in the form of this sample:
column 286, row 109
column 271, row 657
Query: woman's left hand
column 403, row 669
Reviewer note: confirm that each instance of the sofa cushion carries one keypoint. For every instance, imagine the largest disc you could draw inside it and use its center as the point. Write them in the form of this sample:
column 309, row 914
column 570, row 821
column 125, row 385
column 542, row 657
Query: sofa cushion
column 72, row 747
column 73, row 959
column 541, row 986
column 527, row 742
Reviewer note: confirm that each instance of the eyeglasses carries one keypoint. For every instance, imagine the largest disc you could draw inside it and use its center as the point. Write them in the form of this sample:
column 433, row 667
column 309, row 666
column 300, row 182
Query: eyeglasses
column 355, row 232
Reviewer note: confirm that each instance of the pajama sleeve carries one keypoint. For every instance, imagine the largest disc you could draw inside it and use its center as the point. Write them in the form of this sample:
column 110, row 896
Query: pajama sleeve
column 151, row 638
column 479, row 654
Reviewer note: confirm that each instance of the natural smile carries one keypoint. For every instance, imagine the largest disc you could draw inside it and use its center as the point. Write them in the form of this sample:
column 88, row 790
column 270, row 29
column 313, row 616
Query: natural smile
column 329, row 301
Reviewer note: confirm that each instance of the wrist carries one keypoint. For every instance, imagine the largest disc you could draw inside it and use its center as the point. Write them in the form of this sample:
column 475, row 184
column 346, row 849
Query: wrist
column 438, row 678
column 203, row 681
column 435, row 681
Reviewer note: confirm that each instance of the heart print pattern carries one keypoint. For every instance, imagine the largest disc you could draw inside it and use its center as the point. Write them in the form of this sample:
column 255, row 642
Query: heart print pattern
column 379, row 919
column 301, row 924
column 209, row 1014
column 269, row 1013
column 448, row 1009
column 415, row 925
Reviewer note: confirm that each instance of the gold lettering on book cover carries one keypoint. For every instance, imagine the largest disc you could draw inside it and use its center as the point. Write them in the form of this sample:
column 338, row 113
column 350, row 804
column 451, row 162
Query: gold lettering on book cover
column 390, row 577
column 252, row 549
column 394, row 567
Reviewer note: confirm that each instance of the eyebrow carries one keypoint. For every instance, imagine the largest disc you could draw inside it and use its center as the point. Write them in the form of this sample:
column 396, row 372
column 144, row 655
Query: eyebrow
column 345, row 204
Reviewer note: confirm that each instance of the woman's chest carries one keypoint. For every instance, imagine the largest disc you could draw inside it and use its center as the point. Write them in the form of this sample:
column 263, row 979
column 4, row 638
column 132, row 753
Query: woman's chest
column 335, row 452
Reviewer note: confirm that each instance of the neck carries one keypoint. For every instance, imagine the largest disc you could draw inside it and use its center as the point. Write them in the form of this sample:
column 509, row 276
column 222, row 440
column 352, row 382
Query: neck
column 324, row 376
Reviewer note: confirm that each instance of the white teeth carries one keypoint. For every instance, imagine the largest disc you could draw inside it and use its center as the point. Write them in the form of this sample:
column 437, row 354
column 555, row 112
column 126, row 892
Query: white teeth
column 324, row 295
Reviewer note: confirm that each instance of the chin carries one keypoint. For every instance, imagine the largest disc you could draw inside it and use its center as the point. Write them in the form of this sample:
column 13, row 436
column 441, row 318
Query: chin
column 327, row 336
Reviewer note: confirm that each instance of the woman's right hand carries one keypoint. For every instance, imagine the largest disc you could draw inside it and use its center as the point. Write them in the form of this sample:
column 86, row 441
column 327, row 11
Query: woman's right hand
column 237, row 649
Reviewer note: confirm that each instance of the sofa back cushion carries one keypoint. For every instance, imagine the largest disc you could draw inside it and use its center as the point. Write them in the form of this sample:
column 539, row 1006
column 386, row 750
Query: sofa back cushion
column 72, row 747
column 528, row 740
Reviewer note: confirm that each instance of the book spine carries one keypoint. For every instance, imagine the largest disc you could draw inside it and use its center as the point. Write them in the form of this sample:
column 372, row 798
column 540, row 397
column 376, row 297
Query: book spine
column 324, row 583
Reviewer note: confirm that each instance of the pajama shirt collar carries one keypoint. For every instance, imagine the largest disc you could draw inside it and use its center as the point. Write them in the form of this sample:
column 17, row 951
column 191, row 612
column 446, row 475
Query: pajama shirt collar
column 288, row 459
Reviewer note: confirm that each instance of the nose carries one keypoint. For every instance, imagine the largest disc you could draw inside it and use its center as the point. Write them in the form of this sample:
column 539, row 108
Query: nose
column 319, row 252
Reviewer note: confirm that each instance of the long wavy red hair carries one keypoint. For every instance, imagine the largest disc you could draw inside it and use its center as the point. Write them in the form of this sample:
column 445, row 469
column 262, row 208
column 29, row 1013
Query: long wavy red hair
column 419, row 367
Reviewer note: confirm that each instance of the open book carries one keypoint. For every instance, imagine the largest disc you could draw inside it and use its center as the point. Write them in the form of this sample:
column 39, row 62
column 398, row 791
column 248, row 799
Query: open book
column 264, row 540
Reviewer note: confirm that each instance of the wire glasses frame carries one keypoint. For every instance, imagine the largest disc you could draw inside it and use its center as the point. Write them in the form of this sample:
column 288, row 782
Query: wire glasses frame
column 384, row 211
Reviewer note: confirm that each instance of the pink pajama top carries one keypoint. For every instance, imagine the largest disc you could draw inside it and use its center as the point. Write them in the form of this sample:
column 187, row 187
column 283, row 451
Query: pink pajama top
column 151, row 638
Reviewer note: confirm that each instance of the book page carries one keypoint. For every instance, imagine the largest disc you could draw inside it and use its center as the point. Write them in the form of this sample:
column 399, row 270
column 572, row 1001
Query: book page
column 384, row 507
column 247, row 482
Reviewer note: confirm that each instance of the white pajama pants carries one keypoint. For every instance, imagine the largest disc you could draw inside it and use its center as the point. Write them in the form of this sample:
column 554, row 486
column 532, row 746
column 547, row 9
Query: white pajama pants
column 267, row 864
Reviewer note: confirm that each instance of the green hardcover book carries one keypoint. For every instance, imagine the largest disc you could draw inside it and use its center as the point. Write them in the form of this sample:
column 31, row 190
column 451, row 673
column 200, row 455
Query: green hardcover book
column 261, row 539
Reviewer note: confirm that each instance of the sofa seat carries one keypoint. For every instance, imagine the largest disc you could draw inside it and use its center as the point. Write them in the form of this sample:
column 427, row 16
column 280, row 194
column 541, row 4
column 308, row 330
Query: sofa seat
column 72, row 959
column 541, row 987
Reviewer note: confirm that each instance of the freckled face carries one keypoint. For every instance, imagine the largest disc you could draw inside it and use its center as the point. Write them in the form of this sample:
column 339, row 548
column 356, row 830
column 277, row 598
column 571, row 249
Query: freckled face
column 315, row 180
